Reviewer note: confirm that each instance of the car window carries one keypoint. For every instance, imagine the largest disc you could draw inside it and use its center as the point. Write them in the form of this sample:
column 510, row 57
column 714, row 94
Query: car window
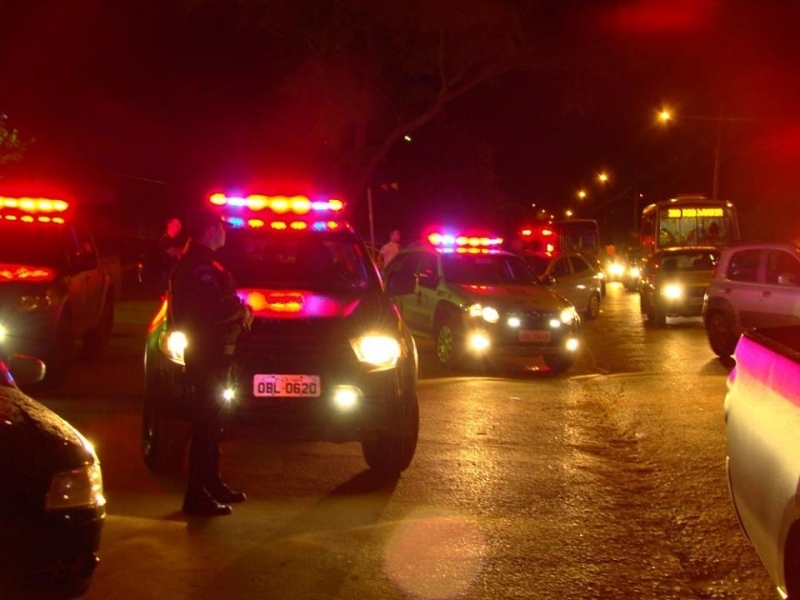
column 782, row 266
column 539, row 264
column 325, row 262
column 743, row 265
column 580, row 266
column 561, row 267
column 487, row 269
column 699, row 260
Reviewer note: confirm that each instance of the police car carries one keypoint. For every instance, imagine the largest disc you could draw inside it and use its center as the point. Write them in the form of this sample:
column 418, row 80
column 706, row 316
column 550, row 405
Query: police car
column 328, row 355
column 55, row 286
column 476, row 300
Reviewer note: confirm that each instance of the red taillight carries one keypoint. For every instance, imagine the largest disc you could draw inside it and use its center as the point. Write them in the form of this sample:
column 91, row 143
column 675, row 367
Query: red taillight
column 10, row 272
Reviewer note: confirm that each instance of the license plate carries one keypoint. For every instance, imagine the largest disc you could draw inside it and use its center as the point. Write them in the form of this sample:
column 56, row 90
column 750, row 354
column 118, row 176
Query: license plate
column 286, row 386
column 534, row 335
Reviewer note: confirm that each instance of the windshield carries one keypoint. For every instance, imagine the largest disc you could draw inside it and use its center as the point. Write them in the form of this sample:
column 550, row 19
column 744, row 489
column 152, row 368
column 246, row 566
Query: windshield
column 689, row 261
column 32, row 244
column 307, row 260
column 487, row 269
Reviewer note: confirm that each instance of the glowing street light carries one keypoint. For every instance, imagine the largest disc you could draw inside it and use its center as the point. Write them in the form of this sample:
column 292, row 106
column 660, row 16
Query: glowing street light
column 602, row 177
column 582, row 194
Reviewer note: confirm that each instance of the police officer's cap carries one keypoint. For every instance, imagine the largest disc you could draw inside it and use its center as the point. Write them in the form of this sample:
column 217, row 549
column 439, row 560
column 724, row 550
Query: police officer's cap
column 201, row 220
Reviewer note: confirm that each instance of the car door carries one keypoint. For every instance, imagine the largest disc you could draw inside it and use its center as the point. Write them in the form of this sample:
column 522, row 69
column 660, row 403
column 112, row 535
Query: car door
column 86, row 281
column 429, row 277
column 401, row 284
column 780, row 294
column 584, row 280
column 742, row 287
column 564, row 283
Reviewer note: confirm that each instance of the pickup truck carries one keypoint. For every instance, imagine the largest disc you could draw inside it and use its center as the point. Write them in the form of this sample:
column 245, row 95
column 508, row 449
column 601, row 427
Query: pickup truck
column 762, row 420
column 56, row 288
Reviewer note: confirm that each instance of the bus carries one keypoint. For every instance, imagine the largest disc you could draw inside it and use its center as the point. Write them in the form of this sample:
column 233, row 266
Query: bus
column 688, row 221
column 568, row 235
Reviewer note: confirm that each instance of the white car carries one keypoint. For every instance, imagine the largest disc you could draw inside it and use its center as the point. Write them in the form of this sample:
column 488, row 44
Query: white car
column 571, row 276
column 754, row 285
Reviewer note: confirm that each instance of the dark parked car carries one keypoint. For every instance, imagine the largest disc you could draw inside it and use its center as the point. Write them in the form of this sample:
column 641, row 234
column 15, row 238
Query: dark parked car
column 52, row 507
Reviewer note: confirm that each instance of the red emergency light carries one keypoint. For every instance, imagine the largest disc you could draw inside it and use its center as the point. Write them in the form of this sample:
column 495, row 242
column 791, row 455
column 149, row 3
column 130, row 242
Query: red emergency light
column 297, row 205
column 463, row 242
column 34, row 205
column 11, row 272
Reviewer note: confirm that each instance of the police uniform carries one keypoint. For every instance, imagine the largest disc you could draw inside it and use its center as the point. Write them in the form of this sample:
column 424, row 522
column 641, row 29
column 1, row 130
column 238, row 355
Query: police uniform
column 205, row 307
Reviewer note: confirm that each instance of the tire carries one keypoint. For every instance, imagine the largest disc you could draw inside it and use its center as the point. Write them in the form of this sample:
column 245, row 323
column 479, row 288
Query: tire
column 96, row 339
column 559, row 363
column 721, row 336
column 449, row 341
column 390, row 452
column 164, row 443
column 593, row 307
column 60, row 357
column 164, row 439
column 655, row 316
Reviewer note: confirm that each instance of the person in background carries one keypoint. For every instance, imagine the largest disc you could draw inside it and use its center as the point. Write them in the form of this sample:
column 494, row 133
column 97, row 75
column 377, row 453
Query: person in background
column 170, row 246
column 204, row 305
column 389, row 249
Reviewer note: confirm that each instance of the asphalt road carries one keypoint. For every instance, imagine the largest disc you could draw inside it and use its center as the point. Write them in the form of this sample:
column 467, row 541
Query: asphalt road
column 605, row 483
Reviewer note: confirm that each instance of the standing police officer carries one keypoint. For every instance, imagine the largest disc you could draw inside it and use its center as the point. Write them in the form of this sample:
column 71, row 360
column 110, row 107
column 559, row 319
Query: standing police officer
column 205, row 307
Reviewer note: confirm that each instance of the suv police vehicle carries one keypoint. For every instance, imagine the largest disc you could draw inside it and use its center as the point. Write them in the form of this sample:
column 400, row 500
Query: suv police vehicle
column 475, row 300
column 56, row 288
column 328, row 356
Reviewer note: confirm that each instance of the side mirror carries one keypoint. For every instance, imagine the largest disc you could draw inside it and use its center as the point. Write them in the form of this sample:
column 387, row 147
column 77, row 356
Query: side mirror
column 548, row 280
column 427, row 279
column 25, row 369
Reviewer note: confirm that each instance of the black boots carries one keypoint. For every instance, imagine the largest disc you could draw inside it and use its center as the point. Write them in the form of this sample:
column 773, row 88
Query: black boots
column 222, row 493
column 211, row 500
column 201, row 504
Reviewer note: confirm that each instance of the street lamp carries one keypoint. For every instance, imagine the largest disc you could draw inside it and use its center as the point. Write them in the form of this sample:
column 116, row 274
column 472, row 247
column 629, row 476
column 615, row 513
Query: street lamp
column 665, row 116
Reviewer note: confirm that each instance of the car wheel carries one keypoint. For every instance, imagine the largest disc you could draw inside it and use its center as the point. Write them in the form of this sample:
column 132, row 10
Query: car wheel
column 59, row 359
column 655, row 316
column 721, row 336
column 449, row 341
column 559, row 363
column 96, row 339
column 164, row 439
column 593, row 307
column 390, row 451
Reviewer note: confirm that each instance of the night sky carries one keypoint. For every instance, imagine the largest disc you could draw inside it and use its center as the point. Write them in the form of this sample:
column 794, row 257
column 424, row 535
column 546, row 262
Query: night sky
column 159, row 105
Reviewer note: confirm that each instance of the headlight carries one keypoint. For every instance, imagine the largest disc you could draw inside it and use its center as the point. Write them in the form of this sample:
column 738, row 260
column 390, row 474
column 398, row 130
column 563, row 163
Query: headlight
column 672, row 291
column 378, row 350
column 635, row 272
column 616, row 269
column 3, row 334
column 76, row 488
column 568, row 315
column 487, row 313
column 32, row 302
column 173, row 344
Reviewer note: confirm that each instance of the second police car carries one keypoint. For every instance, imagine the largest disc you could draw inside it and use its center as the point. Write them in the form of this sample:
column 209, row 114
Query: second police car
column 476, row 300
column 328, row 356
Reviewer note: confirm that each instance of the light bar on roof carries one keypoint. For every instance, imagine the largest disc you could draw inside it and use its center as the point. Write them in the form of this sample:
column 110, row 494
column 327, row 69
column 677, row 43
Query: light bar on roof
column 38, row 205
column 446, row 240
column 298, row 205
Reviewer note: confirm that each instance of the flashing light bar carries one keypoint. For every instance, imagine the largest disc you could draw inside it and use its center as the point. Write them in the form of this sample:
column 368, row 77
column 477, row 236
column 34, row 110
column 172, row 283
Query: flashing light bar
column 34, row 204
column 446, row 240
column 239, row 223
column 298, row 205
column 32, row 219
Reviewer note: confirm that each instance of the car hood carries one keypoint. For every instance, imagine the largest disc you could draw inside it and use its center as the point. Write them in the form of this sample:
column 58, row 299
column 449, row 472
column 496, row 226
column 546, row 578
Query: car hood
column 514, row 297
column 35, row 441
